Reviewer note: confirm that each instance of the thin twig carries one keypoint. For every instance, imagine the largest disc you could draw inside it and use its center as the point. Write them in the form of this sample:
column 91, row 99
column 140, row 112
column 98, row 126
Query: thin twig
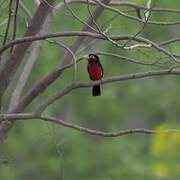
column 146, row 17
column 126, row 3
column 8, row 23
column 135, row 18
column 15, row 22
column 25, row 9
column 70, row 51
column 127, row 59
column 77, row 17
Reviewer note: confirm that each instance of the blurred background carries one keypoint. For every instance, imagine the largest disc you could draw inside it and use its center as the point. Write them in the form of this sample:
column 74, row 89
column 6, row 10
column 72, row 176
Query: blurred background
column 41, row 150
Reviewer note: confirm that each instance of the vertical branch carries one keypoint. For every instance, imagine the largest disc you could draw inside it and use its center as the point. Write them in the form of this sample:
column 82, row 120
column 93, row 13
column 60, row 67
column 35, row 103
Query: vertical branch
column 5, row 39
column 25, row 74
column 29, row 65
column 20, row 50
column 15, row 22
column 17, row 55
column 8, row 23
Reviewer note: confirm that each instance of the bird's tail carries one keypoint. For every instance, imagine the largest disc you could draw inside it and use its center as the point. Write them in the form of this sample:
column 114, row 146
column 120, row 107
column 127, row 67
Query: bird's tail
column 96, row 90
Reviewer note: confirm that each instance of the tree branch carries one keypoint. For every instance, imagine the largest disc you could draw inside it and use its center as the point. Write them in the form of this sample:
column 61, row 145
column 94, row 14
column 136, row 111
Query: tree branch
column 19, row 52
column 8, row 23
column 87, row 34
column 125, row 3
column 41, row 86
column 29, row 64
column 15, row 13
column 78, row 85
column 135, row 18
column 29, row 116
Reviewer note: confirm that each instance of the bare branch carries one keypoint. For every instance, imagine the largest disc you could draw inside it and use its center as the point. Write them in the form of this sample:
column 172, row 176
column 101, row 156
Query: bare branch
column 14, row 61
column 147, row 15
column 135, row 18
column 41, row 86
column 127, row 59
column 15, row 22
column 78, row 18
column 25, row 74
column 70, row 52
column 19, row 52
column 170, row 41
column 8, row 23
column 29, row 65
column 78, row 85
column 125, row 3
column 25, row 9
column 86, row 34
column 29, row 116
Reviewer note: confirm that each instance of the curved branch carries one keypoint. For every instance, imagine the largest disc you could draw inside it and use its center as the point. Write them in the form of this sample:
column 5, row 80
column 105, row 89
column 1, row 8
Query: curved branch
column 85, row 34
column 29, row 116
column 77, row 85
column 96, row 132
column 135, row 18
column 126, row 3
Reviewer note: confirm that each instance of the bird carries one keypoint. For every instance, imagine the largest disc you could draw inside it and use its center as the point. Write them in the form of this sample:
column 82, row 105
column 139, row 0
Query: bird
column 95, row 71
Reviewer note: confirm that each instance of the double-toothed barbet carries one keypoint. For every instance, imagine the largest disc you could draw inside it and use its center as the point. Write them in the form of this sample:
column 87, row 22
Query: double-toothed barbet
column 95, row 71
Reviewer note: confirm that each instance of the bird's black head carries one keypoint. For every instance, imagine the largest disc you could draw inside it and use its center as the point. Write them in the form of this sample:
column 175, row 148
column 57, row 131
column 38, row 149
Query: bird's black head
column 93, row 57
